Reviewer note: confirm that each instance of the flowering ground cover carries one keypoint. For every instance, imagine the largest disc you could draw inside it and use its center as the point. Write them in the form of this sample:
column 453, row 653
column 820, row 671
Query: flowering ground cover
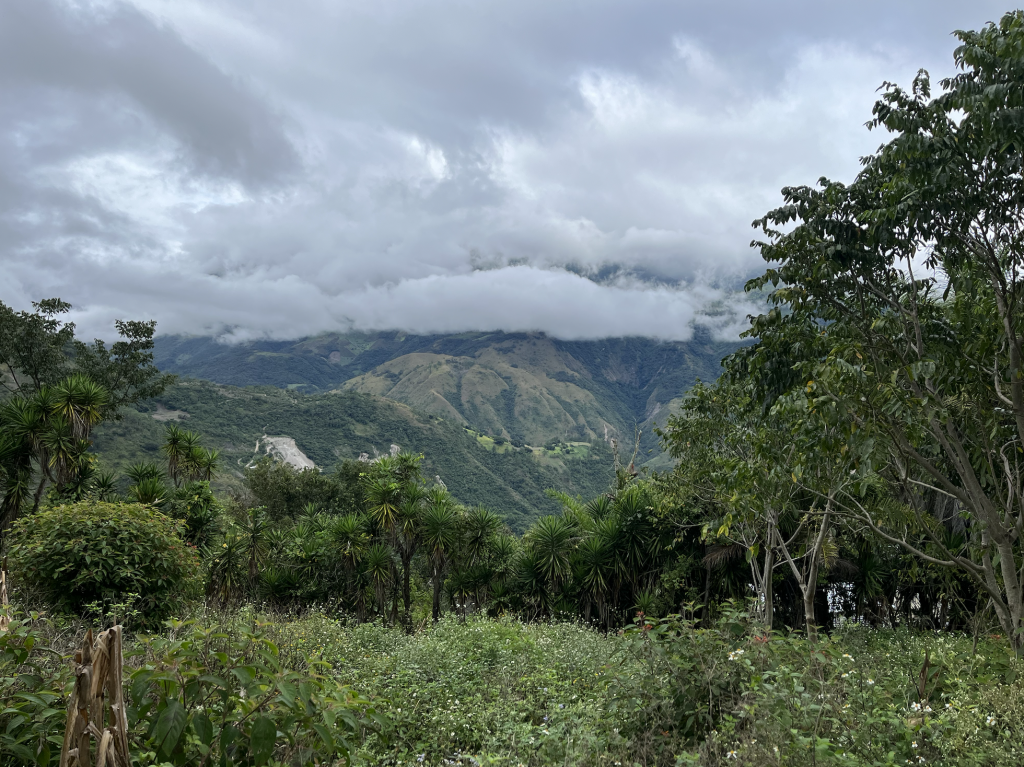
column 667, row 692
column 503, row 692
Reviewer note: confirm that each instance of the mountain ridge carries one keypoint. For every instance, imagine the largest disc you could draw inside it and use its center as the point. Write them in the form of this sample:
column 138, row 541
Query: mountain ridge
column 521, row 387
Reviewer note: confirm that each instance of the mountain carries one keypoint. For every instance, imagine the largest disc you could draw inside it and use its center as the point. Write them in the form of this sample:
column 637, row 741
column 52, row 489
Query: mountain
column 328, row 428
column 526, row 388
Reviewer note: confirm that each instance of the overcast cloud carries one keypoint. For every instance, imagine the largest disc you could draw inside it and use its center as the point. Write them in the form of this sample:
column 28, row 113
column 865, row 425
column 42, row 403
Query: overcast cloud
column 254, row 168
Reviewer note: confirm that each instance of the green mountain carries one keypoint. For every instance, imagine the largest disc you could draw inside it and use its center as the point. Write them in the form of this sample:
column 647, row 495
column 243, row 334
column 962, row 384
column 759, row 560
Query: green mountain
column 523, row 387
column 327, row 428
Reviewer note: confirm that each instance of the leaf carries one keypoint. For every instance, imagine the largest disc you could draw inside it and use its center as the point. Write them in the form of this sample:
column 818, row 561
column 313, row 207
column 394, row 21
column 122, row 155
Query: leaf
column 244, row 674
column 203, row 728
column 169, row 727
column 325, row 736
column 261, row 740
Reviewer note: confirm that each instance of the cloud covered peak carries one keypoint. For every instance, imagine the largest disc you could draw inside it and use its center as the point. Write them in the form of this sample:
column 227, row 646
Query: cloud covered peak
column 265, row 169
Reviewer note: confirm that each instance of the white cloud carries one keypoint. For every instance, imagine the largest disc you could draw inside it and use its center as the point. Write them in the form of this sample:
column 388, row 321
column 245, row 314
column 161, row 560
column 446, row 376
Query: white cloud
column 278, row 169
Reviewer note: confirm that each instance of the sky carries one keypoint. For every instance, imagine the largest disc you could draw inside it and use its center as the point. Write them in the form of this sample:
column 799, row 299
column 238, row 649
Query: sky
column 264, row 169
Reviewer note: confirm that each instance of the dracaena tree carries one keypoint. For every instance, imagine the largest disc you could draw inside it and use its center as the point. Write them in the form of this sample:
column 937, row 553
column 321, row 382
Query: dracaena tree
column 898, row 312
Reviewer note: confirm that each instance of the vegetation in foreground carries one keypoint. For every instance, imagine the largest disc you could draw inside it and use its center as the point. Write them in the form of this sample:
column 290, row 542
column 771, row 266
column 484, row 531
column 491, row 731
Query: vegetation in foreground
column 855, row 477
column 503, row 692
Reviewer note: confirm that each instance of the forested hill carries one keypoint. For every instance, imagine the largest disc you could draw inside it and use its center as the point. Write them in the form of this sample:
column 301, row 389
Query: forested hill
column 523, row 387
column 332, row 427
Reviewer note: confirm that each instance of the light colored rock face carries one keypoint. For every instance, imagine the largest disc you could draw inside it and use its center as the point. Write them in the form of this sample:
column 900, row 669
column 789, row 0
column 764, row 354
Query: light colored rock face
column 164, row 414
column 286, row 451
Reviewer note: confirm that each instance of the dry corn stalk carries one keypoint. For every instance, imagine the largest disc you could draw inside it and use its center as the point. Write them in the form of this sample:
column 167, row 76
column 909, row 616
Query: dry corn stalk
column 99, row 690
column 5, row 618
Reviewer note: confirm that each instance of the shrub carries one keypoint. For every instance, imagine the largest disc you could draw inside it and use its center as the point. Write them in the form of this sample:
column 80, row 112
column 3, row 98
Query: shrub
column 205, row 696
column 32, row 687
column 86, row 553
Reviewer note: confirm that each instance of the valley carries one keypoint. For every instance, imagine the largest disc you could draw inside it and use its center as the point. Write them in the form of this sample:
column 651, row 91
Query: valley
column 523, row 388
column 323, row 430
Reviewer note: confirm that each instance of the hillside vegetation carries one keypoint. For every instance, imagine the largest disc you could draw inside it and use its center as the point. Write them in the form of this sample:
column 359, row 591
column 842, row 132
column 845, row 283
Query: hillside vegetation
column 524, row 387
column 830, row 574
column 330, row 428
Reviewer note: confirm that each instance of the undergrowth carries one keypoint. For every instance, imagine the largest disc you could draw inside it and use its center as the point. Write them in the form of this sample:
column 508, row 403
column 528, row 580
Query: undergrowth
column 503, row 692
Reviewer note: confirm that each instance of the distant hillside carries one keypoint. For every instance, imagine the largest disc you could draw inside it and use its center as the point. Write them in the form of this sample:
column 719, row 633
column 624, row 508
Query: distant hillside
column 523, row 387
column 331, row 427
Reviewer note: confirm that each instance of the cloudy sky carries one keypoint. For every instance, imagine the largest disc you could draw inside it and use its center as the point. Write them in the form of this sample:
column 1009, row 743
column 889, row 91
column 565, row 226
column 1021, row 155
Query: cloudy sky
column 254, row 168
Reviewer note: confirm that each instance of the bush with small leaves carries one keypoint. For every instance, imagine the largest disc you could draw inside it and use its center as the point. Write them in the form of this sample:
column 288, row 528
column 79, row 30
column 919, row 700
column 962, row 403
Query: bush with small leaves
column 87, row 553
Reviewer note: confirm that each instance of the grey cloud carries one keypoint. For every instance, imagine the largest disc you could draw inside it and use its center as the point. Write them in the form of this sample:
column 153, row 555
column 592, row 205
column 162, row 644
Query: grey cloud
column 117, row 51
column 267, row 168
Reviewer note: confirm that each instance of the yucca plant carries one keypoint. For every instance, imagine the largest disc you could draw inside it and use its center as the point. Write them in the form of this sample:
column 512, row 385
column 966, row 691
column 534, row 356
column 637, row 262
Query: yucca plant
column 378, row 566
column 151, row 491
column 440, row 534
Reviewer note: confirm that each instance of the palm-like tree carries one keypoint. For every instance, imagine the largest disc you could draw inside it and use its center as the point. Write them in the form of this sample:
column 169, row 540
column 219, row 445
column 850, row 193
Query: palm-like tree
column 407, row 538
column 209, row 464
column 383, row 498
column 105, row 486
column 194, row 458
column 550, row 540
column 636, row 541
column 228, row 567
column 49, row 430
column 173, row 448
column 254, row 541
column 143, row 470
column 440, row 535
column 379, row 565
column 149, row 490
column 595, row 570
column 80, row 402
column 348, row 535
column 532, row 581
column 480, row 526
column 20, row 426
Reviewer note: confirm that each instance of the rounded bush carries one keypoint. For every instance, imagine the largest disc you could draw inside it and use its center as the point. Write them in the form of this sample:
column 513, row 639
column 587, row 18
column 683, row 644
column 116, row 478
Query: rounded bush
column 89, row 554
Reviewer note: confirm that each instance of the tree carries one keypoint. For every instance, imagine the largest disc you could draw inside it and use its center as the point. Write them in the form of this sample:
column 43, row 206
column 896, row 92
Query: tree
column 44, row 437
column 440, row 532
column 910, row 279
column 39, row 349
column 33, row 345
column 407, row 537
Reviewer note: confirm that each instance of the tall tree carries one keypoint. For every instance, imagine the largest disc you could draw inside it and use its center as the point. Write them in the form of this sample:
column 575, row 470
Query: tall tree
column 912, row 279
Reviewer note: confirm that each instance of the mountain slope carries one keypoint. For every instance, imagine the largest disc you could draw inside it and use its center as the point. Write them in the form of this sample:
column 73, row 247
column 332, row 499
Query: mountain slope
column 332, row 427
column 524, row 387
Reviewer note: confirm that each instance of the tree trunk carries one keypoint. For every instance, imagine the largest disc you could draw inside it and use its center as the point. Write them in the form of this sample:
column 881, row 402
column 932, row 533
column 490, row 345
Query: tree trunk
column 769, row 591
column 406, row 590
column 39, row 494
column 437, row 593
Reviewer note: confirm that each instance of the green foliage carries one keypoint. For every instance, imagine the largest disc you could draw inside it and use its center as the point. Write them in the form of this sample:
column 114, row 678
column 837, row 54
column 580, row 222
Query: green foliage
column 31, row 695
column 499, row 690
column 734, row 692
column 195, row 504
column 32, row 345
column 335, row 428
column 125, row 368
column 92, row 552
column 895, row 323
column 285, row 492
column 38, row 349
column 44, row 436
column 204, row 695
